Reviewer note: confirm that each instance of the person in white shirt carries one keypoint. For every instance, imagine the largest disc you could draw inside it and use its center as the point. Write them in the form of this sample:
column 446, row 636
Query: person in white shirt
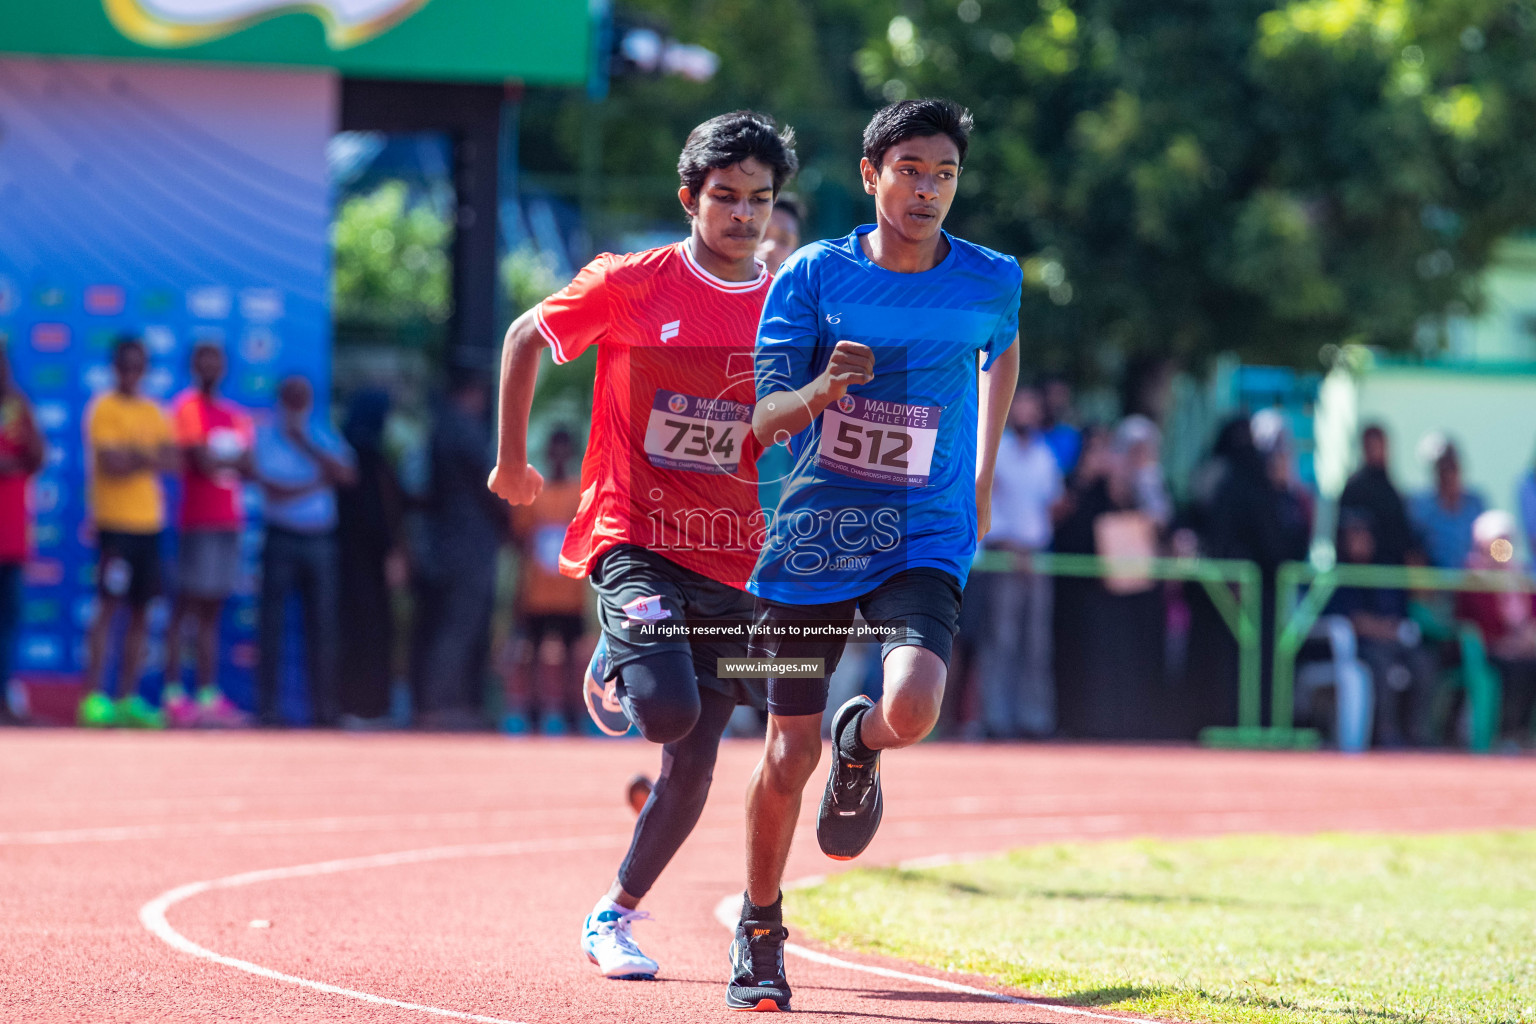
column 1018, row 689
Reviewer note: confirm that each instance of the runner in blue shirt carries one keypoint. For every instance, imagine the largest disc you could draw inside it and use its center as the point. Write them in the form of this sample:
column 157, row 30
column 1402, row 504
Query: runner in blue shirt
column 878, row 357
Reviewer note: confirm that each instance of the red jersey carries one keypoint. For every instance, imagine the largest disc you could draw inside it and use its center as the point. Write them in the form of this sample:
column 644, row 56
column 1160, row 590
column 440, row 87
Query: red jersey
column 15, row 431
column 210, row 502
column 671, row 463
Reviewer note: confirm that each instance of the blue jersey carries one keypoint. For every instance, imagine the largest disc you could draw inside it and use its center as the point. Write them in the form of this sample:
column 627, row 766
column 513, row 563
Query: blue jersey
column 884, row 479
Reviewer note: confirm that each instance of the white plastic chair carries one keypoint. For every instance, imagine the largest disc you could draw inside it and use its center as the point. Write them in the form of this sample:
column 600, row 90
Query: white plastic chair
column 1354, row 695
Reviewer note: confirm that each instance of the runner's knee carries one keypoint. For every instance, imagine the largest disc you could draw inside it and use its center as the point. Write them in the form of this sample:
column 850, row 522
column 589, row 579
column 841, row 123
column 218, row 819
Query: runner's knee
column 661, row 695
column 790, row 757
column 914, row 718
column 914, row 692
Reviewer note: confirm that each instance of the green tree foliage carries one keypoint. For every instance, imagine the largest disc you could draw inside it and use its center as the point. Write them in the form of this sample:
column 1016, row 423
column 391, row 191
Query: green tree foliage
column 790, row 58
column 527, row 277
column 392, row 273
column 1189, row 176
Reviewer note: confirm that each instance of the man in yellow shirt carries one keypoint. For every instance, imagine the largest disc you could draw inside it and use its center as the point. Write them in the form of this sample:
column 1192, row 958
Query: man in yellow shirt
column 128, row 445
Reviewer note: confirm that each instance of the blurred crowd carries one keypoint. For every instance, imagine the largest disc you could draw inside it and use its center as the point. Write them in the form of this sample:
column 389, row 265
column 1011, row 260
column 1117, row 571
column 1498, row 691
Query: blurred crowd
column 1048, row 656
column 383, row 585
column 369, row 580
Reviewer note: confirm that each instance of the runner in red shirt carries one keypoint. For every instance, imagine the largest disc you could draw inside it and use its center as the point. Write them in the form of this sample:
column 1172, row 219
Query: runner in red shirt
column 215, row 437
column 669, row 523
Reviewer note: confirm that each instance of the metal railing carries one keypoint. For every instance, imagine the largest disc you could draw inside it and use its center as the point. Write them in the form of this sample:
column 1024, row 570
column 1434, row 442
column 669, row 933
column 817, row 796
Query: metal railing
column 1295, row 616
column 1234, row 586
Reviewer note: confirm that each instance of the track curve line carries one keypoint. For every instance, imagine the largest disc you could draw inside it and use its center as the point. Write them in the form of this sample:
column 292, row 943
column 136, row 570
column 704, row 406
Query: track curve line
column 153, row 916
column 725, row 913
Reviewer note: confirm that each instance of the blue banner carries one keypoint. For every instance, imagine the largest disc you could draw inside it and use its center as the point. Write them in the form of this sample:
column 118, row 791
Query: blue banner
column 182, row 204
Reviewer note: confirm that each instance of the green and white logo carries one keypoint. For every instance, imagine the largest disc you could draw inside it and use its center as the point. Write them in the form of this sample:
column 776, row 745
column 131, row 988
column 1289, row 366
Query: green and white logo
column 177, row 23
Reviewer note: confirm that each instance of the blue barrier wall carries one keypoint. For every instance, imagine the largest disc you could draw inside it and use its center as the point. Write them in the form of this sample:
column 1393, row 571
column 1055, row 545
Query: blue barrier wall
column 182, row 203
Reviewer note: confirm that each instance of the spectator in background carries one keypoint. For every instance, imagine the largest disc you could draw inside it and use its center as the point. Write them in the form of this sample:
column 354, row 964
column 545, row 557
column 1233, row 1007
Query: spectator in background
column 1014, row 654
column 21, row 455
column 1117, row 474
column 1370, row 490
column 299, row 462
column 1058, row 428
column 372, row 563
column 1247, row 521
column 1527, row 503
column 1138, row 444
column 1108, row 680
column 1209, row 477
column 128, row 444
column 1293, row 504
column 1443, row 517
column 783, row 235
column 1507, row 621
column 215, row 439
column 465, row 524
column 1087, row 494
column 550, row 608
column 1387, row 640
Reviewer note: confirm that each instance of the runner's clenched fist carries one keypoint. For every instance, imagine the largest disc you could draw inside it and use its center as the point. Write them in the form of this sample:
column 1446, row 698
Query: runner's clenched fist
column 851, row 363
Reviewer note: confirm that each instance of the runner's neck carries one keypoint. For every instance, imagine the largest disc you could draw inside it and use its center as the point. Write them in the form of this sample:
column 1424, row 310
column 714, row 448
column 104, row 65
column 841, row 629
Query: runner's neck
column 717, row 266
column 888, row 250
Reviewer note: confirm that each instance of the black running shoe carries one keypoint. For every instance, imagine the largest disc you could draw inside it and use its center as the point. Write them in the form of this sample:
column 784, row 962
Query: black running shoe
column 757, row 967
column 852, row 806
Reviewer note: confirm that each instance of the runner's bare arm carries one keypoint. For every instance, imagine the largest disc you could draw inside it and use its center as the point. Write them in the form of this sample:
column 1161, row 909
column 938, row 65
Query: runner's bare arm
column 166, row 459
column 783, row 414
column 207, row 463
column 995, row 395
column 116, row 461
column 513, row 479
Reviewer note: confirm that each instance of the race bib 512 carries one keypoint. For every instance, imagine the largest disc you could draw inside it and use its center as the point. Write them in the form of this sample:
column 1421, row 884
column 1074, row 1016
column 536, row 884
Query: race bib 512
column 883, row 442
column 702, row 435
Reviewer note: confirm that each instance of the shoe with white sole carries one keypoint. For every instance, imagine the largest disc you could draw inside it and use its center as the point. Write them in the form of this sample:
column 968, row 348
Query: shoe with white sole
column 608, row 942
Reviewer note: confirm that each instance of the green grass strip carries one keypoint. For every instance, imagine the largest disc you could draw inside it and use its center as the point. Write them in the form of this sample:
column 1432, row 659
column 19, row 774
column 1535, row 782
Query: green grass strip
column 1250, row 929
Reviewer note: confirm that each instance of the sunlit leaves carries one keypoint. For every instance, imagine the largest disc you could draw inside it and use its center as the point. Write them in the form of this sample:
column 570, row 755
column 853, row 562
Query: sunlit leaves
column 391, row 260
column 1234, row 174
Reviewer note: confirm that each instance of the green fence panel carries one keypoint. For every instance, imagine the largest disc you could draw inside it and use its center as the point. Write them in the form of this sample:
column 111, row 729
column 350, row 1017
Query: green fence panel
column 1295, row 616
column 1219, row 576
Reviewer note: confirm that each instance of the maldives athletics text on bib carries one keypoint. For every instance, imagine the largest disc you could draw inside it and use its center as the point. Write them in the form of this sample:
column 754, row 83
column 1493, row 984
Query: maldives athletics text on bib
column 882, row 442
column 701, row 435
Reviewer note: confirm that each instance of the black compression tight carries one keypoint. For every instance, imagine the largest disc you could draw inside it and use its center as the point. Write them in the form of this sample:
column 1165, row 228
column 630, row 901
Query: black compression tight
column 677, row 799
column 660, row 694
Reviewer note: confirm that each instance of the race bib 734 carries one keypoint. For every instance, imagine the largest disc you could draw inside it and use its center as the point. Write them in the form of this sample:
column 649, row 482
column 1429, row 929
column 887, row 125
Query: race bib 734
column 883, row 442
column 702, row 435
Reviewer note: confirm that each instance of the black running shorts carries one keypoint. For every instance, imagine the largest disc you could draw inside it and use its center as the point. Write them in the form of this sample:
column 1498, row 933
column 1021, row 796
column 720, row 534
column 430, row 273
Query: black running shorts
column 921, row 607
column 128, row 566
column 627, row 573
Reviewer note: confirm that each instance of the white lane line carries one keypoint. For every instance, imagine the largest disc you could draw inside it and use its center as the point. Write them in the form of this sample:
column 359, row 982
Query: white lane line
column 729, row 906
column 299, row 826
column 976, row 817
column 153, row 917
column 153, row 914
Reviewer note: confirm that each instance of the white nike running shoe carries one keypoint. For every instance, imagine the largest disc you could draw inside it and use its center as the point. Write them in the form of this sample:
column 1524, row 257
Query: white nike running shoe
column 608, row 943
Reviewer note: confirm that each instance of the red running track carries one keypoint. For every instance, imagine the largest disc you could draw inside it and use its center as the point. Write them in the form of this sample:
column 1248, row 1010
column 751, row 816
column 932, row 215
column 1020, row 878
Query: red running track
column 419, row 878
